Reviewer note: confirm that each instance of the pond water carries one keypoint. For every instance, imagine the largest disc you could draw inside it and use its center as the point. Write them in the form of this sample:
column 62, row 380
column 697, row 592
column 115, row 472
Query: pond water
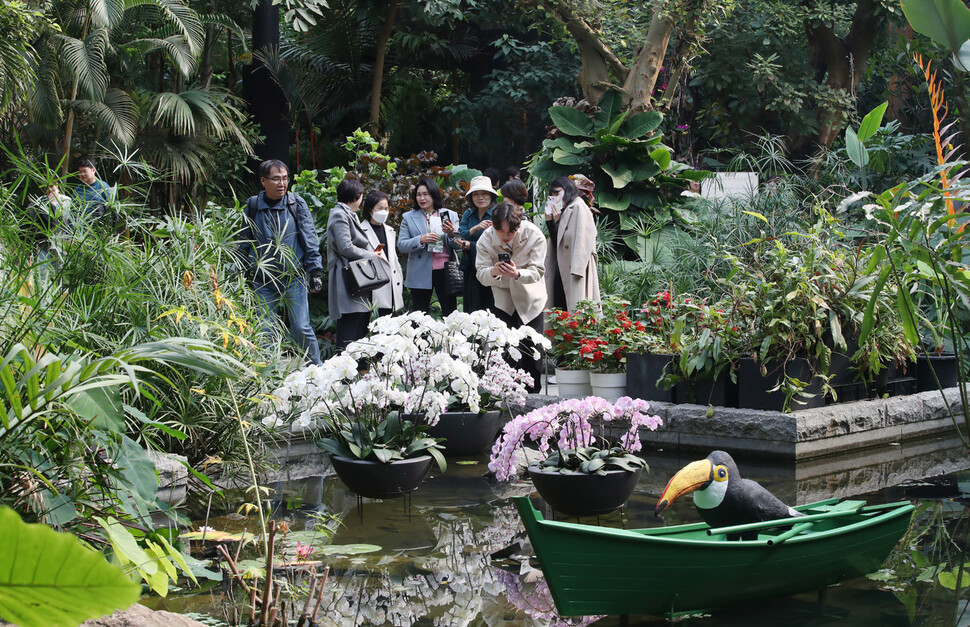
column 455, row 552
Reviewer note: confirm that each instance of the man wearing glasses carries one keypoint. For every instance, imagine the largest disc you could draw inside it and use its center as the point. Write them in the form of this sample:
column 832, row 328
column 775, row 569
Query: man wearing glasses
column 283, row 254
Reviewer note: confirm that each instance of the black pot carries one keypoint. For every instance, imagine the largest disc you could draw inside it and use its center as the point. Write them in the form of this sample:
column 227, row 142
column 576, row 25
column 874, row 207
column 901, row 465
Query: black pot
column 841, row 369
column 642, row 372
column 753, row 388
column 581, row 494
column 466, row 433
column 719, row 391
column 376, row 480
column 946, row 369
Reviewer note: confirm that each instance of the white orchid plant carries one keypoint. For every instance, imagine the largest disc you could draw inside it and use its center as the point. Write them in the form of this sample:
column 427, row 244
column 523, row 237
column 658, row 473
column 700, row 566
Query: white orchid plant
column 417, row 368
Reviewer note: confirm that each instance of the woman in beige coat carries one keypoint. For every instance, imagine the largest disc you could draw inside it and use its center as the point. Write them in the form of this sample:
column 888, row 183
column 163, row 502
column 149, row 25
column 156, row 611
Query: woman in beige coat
column 571, row 274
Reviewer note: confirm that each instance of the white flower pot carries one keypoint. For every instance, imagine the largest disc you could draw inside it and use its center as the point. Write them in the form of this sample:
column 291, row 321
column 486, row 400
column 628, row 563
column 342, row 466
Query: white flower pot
column 608, row 385
column 573, row 383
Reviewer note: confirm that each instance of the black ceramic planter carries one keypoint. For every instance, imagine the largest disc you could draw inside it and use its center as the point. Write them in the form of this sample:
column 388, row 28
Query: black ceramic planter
column 946, row 369
column 719, row 391
column 581, row 494
column 753, row 388
column 642, row 372
column 466, row 433
column 376, row 480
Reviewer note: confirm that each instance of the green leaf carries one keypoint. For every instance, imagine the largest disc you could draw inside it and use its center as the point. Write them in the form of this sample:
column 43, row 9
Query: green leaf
column 869, row 318
column 755, row 214
column 948, row 578
column 571, row 121
column 616, row 202
column 907, row 315
column 946, row 22
column 622, row 175
column 102, row 407
column 856, row 149
column 347, row 549
column 136, row 469
column 49, row 579
column 548, row 170
column 662, row 157
column 562, row 157
column 640, row 124
column 611, row 104
column 872, row 122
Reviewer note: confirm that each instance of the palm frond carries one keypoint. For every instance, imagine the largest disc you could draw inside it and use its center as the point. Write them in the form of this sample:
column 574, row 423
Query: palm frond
column 116, row 114
column 172, row 110
column 179, row 14
column 226, row 22
column 175, row 45
column 85, row 61
column 105, row 13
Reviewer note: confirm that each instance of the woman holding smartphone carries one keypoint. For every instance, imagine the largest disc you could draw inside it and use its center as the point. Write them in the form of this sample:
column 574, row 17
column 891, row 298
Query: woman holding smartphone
column 474, row 221
column 571, row 274
column 428, row 237
column 374, row 213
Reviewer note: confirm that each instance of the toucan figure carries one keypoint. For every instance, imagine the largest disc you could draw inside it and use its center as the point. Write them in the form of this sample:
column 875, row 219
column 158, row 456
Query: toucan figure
column 721, row 496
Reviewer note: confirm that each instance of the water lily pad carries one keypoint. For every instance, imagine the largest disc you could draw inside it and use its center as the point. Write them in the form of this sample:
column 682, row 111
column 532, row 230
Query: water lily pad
column 348, row 549
column 217, row 536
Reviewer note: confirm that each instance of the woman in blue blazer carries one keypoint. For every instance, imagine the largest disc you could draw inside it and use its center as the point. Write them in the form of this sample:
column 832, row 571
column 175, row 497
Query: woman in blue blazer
column 427, row 248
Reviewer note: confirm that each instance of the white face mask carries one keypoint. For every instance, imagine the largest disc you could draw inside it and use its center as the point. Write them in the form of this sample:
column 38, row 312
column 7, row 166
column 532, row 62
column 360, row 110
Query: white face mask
column 380, row 216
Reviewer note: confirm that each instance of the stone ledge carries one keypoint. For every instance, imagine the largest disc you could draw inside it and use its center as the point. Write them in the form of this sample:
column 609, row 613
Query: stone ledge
column 807, row 433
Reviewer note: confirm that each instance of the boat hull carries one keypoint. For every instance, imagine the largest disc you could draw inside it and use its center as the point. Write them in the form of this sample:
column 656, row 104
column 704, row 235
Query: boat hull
column 670, row 570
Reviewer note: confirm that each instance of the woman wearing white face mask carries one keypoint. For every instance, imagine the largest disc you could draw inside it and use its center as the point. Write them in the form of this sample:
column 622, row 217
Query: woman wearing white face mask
column 571, row 258
column 375, row 211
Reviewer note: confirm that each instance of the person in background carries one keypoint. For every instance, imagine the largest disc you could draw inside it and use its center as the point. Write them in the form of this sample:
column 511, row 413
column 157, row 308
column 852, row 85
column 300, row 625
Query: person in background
column 374, row 213
column 92, row 193
column 512, row 173
column 347, row 241
column 428, row 238
column 474, row 221
column 515, row 192
column 511, row 260
column 283, row 254
column 571, row 260
column 494, row 176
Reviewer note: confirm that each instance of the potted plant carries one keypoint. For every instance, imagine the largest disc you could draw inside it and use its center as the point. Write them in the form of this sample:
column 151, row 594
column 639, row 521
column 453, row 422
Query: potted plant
column 650, row 354
column 489, row 347
column 566, row 330
column 376, row 420
column 582, row 473
column 603, row 351
column 708, row 339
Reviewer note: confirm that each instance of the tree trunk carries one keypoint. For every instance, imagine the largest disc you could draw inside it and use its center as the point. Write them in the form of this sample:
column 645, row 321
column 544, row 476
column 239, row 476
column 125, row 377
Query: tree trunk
column 842, row 61
column 598, row 59
column 267, row 102
column 383, row 37
column 638, row 88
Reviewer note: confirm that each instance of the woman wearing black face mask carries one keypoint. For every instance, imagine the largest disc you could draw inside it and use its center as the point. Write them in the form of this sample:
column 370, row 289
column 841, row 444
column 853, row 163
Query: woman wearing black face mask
column 375, row 211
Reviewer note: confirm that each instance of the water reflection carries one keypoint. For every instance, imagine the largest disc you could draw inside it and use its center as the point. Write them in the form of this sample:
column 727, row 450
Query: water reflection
column 454, row 554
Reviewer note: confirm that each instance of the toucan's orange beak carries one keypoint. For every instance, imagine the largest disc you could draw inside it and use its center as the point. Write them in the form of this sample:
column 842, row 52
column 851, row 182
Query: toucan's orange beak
column 693, row 476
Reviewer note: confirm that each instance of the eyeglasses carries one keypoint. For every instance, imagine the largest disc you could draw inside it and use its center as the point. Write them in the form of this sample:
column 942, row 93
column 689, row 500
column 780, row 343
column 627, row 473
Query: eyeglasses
column 278, row 179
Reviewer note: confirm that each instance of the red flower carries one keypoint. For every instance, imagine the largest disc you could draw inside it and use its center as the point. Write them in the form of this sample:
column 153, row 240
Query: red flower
column 550, row 333
column 597, row 355
column 573, row 324
column 568, row 337
column 627, row 324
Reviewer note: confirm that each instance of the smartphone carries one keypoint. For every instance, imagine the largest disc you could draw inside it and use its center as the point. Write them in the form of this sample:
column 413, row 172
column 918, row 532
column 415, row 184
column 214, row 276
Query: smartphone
column 505, row 257
column 379, row 248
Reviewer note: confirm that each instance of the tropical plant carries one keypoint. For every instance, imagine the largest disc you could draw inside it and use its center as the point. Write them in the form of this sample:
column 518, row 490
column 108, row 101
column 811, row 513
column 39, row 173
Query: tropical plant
column 572, row 436
column 620, row 152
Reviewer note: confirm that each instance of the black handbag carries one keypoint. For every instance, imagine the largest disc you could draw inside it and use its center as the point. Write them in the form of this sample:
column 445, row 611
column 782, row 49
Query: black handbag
column 454, row 277
column 363, row 276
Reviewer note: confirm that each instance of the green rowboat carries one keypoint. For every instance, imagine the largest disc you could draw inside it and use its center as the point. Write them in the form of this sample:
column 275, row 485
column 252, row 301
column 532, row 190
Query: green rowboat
column 689, row 568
